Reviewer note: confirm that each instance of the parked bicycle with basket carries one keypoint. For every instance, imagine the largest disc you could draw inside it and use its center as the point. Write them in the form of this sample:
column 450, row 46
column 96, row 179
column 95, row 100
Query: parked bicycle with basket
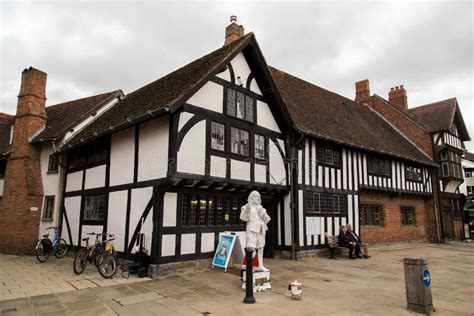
column 102, row 253
column 45, row 246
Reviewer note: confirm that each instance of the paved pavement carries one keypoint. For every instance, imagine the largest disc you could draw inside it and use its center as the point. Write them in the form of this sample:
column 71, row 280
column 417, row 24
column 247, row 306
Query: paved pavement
column 342, row 287
column 24, row 276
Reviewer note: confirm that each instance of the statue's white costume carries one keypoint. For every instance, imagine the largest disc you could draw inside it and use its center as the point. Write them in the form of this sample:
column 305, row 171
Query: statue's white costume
column 257, row 218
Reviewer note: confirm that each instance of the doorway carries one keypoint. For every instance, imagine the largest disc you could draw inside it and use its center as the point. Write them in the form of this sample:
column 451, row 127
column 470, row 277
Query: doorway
column 271, row 207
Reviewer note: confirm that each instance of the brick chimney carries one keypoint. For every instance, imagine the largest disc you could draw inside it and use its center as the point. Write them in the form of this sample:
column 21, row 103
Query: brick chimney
column 23, row 189
column 233, row 31
column 362, row 91
column 398, row 96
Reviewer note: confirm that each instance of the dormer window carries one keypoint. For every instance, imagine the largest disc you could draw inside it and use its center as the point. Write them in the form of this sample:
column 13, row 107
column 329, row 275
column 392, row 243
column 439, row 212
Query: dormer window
column 328, row 155
column 413, row 174
column 378, row 166
column 240, row 105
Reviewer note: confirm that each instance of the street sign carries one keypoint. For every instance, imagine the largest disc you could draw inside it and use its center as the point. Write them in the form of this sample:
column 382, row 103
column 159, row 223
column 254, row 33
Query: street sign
column 426, row 277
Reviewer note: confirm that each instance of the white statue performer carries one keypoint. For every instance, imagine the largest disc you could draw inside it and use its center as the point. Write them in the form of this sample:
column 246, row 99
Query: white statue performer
column 257, row 218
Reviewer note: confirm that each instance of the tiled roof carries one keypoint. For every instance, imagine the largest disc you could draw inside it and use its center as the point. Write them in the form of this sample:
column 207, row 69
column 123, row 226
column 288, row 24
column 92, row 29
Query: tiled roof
column 436, row 116
column 469, row 156
column 327, row 115
column 6, row 121
column 63, row 116
column 158, row 95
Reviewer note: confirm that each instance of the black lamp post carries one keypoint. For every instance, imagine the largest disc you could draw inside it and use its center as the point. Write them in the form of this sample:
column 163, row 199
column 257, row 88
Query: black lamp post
column 249, row 299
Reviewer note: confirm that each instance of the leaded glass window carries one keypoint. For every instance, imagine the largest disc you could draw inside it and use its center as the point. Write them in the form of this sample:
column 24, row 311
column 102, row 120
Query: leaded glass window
column 239, row 141
column 240, row 105
column 259, row 146
column 217, row 136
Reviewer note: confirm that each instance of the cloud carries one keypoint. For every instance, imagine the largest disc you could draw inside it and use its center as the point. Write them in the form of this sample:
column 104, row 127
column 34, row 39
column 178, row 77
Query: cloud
column 90, row 47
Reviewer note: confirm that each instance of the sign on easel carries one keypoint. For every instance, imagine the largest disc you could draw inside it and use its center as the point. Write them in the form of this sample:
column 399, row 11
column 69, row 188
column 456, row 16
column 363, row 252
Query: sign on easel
column 228, row 246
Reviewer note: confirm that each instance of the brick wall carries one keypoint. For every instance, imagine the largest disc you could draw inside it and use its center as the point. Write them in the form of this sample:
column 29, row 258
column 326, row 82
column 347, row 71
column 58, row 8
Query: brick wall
column 23, row 191
column 393, row 230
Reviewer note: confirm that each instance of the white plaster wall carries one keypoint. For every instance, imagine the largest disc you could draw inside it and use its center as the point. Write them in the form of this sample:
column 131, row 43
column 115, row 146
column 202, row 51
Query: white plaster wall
column 74, row 181
column 183, row 119
column 170, row 200
column 241, row 68
column 207, row 242
column 87, row 229
column 140, row 198
column 209, row 97
column 277, row 166
column 218, row 166
column 95, row 177
column 188, row 243
column 192, row 152
column 300, row 217
column 224, row 75
column 73, row 210
column 265, row 117
column 2, row 184
column 260, row 173
column 153, row 149
column 122, row 157
column 254, row 87
column 239, row 170
column 117, row 217
column 168, row 245
column 52, row 185
column 148, row 230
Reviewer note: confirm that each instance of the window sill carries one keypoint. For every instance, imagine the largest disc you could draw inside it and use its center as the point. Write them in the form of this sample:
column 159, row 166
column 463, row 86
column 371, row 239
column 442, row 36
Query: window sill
column 46, row 220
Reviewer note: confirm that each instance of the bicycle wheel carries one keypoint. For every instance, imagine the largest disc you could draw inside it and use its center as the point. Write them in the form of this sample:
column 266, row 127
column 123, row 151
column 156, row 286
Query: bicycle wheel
column 61, row 248
column 43, row 250
column 108, row 266
column 80, row 261
column 99, row 257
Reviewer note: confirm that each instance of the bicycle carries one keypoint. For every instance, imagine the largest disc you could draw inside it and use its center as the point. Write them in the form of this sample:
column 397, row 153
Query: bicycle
column 45, row 246
column 99, row 253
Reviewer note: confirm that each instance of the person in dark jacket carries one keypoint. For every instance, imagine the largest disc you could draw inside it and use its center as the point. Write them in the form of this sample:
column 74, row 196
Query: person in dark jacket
column 344, row 241
column 356, row 239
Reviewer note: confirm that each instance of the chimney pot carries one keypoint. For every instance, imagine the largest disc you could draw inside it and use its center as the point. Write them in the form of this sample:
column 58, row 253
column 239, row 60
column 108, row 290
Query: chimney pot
column 362, row 91
column 398, row 96
column 233, row 31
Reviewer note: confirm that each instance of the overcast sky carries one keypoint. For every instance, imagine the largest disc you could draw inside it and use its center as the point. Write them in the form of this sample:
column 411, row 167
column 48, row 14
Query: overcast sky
column 90, row 47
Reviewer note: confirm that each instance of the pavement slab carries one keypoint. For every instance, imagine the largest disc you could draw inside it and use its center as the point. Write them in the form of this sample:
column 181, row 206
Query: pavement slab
column 330, row 287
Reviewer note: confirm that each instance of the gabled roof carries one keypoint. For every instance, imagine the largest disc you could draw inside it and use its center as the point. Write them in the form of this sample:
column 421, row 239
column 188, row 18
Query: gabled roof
column 6, row 121
column 440, row 116
column 64, row 116
column 469, row 156
column 159, row 95
column 327, row 115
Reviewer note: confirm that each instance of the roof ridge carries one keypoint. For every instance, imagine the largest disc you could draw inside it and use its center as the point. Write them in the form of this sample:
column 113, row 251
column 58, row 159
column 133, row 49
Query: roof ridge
column 432, row 103
column 83, row 98
column 401, row 112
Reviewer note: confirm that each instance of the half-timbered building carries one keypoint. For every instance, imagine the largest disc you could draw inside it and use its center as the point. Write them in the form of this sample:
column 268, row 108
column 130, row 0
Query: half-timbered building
column 177, row 158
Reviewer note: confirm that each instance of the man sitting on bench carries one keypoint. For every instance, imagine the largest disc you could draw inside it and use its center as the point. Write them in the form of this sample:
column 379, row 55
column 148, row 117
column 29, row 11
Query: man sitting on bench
column 344, row 241
column 356, row 239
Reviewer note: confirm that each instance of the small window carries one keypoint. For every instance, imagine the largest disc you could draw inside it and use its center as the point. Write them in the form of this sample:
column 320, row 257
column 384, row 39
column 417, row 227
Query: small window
column 328, row 155
column 239, row 141
column 378, row 166
column 48, row 209
column 240, row 105
column 318, row 202
column 3, row 167
column 413, row 173
column 371, row 215
column 407, row 214
column 217, row 136
column 53, row 163
column 445, row 169
column 468, row 174
column 444, row 156
column 94, row 208
column 259, row 146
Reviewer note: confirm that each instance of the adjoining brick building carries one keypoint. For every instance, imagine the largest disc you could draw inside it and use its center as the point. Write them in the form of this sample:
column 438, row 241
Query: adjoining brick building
column 176, row 159
column 437, row 129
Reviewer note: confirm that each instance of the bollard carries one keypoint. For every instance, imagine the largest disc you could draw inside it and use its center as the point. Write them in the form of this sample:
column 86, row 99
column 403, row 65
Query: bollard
column 418, row 285
column 249, row 299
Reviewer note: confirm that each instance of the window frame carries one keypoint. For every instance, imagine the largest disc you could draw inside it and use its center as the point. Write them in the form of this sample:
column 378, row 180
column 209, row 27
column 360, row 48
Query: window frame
column 371, row 160
column 404, row 211
column 83, row 213
column 213, row 123
column 410, row 175
column 316, row 203
column 363, row 218
column 246, row 108
column 48, row 198
column 53, row 163
column 321, row 155
column 240, row 132
column 89, row 155
column 264, row 149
